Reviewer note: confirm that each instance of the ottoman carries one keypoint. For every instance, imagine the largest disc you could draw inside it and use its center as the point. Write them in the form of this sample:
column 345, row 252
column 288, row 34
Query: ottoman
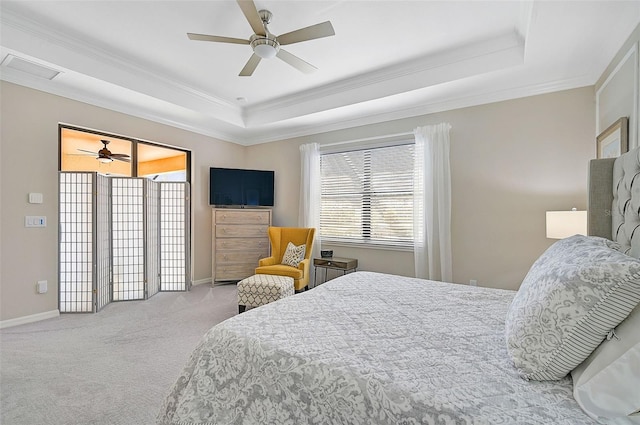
column 261, row 289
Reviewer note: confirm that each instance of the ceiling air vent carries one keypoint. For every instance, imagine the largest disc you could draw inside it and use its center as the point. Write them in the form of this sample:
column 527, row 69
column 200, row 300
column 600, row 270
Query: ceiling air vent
column 29, row 67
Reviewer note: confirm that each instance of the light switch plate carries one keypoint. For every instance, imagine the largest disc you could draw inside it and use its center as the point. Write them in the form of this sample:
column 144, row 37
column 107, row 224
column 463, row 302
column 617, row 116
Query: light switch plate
column 35, row 221
column 35, row 198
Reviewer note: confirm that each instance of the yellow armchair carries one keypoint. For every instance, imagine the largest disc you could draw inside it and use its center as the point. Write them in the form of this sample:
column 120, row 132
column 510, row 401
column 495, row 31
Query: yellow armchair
column 279, row 238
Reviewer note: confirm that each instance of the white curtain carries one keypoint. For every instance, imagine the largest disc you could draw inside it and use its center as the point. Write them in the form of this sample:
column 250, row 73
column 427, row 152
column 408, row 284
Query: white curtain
column 432, row 203
column 309, row 211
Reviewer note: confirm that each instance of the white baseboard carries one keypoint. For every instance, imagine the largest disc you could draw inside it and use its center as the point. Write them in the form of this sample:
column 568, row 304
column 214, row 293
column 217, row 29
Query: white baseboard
column 29, row 319
column 201, row 281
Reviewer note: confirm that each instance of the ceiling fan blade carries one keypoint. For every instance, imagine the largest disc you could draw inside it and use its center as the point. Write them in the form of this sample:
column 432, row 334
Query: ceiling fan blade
column 91, row 152
column 251, row 65
column 324, row 29
column 205, row 37
column 251, row 13
column 120, row 159
column 296, row 62
column 119, row 155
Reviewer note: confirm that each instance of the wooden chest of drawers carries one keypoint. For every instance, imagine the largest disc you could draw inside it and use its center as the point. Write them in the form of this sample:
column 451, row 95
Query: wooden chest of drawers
column 240, row 239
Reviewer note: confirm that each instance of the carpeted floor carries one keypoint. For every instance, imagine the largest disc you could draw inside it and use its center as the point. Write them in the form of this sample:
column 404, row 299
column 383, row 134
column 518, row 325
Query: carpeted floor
column 114, row 367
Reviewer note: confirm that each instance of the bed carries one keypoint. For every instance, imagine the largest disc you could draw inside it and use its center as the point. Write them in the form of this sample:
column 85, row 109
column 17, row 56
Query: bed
column 371, row 348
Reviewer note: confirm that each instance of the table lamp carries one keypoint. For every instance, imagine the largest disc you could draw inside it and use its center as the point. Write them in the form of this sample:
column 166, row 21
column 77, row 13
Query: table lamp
column 562, row 224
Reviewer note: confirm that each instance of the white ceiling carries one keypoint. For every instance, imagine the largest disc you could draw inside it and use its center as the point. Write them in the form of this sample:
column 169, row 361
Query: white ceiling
column 388, row 59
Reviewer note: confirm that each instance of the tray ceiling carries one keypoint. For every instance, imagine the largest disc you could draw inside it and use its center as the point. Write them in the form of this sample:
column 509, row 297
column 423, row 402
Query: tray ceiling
column 387, row 60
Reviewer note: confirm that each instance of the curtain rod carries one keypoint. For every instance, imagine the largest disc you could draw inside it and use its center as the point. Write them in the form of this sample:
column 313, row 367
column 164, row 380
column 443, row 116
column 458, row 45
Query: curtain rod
column 367, row 139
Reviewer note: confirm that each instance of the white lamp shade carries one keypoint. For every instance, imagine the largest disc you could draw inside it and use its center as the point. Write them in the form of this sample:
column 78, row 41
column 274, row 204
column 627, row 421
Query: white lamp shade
column 562, row 224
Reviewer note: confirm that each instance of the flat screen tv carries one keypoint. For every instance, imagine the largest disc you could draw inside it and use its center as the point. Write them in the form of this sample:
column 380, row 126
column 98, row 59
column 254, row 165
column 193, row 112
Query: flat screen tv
column 236, row 187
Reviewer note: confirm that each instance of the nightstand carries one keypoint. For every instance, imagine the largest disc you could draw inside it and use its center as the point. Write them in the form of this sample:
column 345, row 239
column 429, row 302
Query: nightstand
column 334, row 263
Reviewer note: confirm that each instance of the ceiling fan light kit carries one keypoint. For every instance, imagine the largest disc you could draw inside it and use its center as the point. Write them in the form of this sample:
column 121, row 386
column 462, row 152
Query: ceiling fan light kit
column 266, row 45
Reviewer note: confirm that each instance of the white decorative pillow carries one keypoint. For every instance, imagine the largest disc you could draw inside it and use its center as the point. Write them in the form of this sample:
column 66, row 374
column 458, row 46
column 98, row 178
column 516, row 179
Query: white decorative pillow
column 574, row 294
column 607, row 384
column 293, row 255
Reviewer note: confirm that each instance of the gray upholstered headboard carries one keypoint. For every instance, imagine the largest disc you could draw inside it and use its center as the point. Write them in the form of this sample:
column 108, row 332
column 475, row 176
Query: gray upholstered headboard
column 614, row 200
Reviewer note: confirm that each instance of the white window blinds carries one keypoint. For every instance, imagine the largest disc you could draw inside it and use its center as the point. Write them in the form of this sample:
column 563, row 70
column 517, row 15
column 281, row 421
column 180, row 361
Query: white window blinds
column 367, row 196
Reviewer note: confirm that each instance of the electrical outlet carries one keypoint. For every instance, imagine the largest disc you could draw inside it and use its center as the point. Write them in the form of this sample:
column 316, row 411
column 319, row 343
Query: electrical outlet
column 41, row 287
column 473, row 282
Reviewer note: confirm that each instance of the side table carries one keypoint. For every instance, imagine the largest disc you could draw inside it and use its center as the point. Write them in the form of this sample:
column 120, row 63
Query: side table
column 334, row 263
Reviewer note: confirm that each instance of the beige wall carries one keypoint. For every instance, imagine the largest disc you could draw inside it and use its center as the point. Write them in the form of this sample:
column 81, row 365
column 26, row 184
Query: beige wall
column 29, row 163
column 510, row 162
column 618, row 91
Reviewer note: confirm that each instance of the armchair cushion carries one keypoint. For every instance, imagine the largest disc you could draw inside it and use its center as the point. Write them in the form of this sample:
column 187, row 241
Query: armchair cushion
column 281, row 270
column 293, row 255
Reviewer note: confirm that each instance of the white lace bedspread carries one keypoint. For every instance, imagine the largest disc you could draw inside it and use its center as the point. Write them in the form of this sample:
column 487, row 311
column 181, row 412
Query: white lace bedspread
column 366, row 348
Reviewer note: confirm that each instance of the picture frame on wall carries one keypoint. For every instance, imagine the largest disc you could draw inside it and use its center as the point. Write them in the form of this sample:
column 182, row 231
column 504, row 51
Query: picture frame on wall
column 614, row 141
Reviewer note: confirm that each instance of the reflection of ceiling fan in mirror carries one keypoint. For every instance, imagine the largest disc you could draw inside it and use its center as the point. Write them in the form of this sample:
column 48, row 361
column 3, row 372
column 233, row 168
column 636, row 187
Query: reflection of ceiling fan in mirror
column 266, row 45
column 105, row 155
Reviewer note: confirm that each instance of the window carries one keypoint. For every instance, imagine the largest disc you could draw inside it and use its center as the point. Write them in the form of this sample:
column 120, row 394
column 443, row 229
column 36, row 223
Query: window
column 79, row 152
column 367, row 196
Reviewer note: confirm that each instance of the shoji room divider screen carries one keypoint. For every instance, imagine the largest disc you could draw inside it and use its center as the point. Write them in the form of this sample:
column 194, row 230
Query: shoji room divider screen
column 121, row 238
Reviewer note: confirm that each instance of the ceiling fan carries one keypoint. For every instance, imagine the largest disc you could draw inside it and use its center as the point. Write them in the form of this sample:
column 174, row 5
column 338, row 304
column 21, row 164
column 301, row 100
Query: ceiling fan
column 266, row 45
column 105, row 155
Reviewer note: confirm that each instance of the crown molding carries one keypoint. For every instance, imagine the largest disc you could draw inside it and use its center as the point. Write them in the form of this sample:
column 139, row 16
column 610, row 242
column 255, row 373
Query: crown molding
column 249, row 137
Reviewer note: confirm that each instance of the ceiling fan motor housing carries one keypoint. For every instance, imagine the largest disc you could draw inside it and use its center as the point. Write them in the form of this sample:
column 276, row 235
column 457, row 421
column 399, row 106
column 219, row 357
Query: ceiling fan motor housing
column 266, row 46
column 104, row 153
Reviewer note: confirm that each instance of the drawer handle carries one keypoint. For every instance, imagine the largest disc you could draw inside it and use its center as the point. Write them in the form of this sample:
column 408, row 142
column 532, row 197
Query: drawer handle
column 329, row 263
column 224, row 230
column 225, row 257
